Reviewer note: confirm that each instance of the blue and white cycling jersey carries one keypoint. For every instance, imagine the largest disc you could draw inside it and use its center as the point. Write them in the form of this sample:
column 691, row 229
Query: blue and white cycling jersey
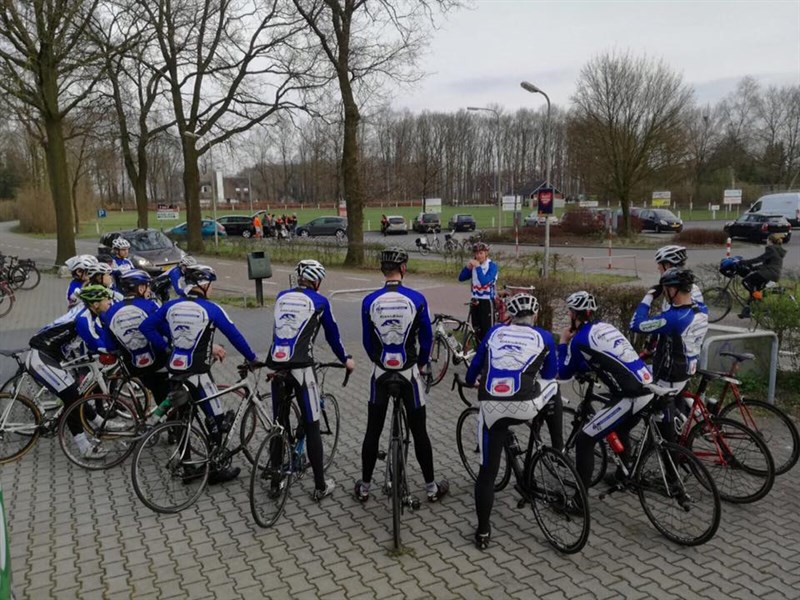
column 190, row 324
column 72, row 293
column 299, row 312
column 509, row 361
column 59, row 339
column 483, row 279
column 122, row 328
column 681, row 331
column 90, row 330
column 178, row 283
column 392, row 320
column 121, row 265
column 601, row 347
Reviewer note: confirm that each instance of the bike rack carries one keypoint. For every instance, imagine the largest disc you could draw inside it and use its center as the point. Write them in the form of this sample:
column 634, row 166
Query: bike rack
column 724, row 333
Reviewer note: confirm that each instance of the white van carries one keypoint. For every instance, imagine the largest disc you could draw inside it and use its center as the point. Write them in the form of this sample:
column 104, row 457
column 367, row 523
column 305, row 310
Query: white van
column 786, row 204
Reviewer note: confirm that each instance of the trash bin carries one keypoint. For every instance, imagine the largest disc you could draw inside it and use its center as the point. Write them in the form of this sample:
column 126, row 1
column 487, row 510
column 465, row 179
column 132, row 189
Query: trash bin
column 258, row 266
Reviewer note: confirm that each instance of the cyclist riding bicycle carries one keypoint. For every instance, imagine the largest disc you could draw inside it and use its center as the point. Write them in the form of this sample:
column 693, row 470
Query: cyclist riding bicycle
column 482, row 272
column 176, row 274
column 509, row 362
column 769, row 266
column 397, row 337
column 299, row 313
column 189, row 325
column 77, row 266
column 590, row 345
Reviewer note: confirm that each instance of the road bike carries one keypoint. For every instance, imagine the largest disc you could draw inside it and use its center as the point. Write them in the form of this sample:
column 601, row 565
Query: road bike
column 7, row 297
column 21, row 274
column 281, row 457
column 454, row 341
column 545, row 479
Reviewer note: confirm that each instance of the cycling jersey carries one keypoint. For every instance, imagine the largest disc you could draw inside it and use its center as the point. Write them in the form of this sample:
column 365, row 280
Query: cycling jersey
column 681, row 331
column 190, row 324
column 299, row 312
column 90, row 330
column 73, row 291
column 483, row 278
column 509, row 361
column 122, row 326
column 178, row 283
column 600, row 347
column 59, row 339
column 393, row 318
column 121, row 265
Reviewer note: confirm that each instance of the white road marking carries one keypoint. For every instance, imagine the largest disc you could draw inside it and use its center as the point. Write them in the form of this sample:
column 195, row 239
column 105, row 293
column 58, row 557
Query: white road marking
column 358, row 278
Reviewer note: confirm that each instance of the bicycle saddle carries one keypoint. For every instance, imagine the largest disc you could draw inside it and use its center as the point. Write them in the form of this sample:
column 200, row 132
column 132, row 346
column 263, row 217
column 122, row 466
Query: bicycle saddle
column 13, row 353
column 660, row 391
column 718, row 375
column 740, row 357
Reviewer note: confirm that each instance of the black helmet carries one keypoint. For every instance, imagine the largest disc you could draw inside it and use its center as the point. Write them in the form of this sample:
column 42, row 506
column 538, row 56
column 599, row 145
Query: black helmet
column 480, row 247
column 394, row 256
column 199, row 274
column 683, row 279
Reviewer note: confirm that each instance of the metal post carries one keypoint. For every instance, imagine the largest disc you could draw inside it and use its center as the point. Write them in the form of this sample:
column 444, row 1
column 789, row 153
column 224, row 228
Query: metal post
column 214, row 201
column 260, row 292
column 250, row 193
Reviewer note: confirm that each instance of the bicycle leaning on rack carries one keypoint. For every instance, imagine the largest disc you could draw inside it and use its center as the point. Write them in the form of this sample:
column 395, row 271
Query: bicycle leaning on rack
column 281, row 457
column 545, row 478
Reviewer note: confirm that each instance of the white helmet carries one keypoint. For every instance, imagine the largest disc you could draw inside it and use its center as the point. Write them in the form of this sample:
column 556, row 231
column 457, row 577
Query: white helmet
column 120, row 243
column 581, row 301
column 520, row 304
column 674, row 255
column 310, row 270
column 81, row 261
column 98, row 268
column 188, row 261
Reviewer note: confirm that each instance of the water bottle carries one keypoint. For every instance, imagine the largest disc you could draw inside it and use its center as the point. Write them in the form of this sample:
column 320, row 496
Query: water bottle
column 615, row 443
column 213, row 429
column 163, row 408
column 689, row 404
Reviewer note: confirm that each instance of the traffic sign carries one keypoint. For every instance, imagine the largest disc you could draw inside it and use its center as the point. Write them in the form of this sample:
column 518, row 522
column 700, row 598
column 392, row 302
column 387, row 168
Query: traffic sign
column 511, row 203
column 168, row 214
column 732, row 197
column 101, row 213
column 661, row 199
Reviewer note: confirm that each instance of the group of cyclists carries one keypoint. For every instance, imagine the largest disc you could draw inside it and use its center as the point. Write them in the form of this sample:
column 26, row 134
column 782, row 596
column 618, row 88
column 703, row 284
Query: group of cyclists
column 110, row 312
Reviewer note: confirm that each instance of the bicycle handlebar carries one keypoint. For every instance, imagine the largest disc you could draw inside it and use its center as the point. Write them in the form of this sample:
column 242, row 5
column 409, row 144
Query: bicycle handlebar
column 335, row 365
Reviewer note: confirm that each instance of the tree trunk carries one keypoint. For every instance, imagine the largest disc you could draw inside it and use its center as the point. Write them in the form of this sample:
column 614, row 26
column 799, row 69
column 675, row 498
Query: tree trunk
column 353, row 192
column 56, row 157
column 191, row 187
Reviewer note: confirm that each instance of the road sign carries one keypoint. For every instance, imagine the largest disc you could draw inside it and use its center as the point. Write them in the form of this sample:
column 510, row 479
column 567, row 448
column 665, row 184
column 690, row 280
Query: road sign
column 101, row 213
column 545, row 201
column 433, row 205
column 588, row 204
column 732, row 197
column 715, row 207
column 661, row 199
column 511, row 203
column 168, row 214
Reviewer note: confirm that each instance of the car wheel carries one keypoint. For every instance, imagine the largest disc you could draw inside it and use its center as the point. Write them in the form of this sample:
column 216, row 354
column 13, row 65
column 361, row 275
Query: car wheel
column 303, row 233
column 246, row 233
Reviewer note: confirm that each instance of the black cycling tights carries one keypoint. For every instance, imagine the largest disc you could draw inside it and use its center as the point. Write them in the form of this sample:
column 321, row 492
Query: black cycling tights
column 376, row 415
column 484, row 485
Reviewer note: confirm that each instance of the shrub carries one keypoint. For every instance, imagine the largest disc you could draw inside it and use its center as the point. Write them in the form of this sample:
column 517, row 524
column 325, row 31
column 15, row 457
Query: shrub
column 582, row 221
column 713, row 237
column 8, row 210
column 36, row 211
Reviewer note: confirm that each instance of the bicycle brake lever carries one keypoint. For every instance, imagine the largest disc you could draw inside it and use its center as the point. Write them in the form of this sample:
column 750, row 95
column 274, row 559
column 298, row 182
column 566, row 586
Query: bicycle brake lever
column 346, row 378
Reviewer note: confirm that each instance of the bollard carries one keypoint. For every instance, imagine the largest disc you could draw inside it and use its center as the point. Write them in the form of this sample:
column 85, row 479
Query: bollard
column 728, row 248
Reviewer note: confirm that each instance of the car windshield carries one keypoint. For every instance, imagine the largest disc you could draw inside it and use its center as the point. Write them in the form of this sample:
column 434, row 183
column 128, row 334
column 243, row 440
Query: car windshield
column 149, row 240
column 396, row 220
column 665, row 214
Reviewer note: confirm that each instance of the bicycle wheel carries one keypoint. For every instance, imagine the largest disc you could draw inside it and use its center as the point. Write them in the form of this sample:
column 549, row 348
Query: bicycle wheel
column 423, row 250
column 6, row 300
column 134, row 393
column 773, row 426
column 19, row 426
column 440, row 359
column 559, row 501
column 719, row 302
column 467, row 439
column 737, row 459
column 601, row 458
column 27, row 386
column 251, row 431
column 396, row 468
column 270, row 478
column 169, row 476
column 32, row 278
column 329, row 428
column 113, row 436
column 677, row 494
column 16, row 277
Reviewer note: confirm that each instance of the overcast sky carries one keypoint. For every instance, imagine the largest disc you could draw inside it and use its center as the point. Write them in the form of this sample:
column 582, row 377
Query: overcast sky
column 478, row 57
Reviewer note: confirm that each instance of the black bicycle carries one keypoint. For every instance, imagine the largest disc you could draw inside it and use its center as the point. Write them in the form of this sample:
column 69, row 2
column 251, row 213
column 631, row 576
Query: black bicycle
column 545, row 479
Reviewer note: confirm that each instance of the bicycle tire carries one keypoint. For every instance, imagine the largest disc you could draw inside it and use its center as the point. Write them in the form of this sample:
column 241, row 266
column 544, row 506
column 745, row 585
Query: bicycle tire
column 423, row 250
column 31, row 275
column 467, row 440
column 601, row 458
column 696, row 489
column 118, row 444
column 396, row 467
column 40, row 395
column 329, row 420
column 781, row 436
column 16, row 277
column 7, row 300
column 248, row 439
column 17, row 437
column 746, row 472
column 554, row 488
column 470, row 344
column 156, row 464
column 440, row 360
column 270, row 479
column 719, row 303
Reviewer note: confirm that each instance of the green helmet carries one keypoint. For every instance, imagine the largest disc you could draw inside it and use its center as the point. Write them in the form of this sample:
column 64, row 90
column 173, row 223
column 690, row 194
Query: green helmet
column 95, row 293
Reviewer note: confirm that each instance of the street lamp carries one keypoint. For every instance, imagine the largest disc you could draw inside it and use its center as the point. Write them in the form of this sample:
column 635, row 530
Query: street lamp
column 499, row 194
column 196, row 137
column 529, row 87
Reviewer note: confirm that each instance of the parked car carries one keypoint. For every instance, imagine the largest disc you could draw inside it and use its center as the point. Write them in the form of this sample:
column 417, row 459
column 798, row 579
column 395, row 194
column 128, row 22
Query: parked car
column 207, row 230
column 424, row 222
column 462, row 223
column 786, row 205
column 324, row 226
column 756, row 227
column 151, row 250
column 533, row 220
column 237, row 225
column 658, row 220
column 396, row 224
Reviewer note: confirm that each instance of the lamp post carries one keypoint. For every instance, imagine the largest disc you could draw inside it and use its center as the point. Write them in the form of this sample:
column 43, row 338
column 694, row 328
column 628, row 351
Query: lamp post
column 529, row 87
column 499, row 193
column 196, row 137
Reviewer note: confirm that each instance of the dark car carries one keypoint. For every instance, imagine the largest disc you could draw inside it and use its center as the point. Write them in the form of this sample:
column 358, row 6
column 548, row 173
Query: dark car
column 238, row 225
column 658, row 220
column 425, row 222
column 462, row 223
column 756, row 227
column 324, row 226
column 151, row 250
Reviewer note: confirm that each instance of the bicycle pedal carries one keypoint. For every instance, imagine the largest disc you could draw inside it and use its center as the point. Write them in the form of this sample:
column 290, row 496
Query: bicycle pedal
column 381, row 454
column 413, row 503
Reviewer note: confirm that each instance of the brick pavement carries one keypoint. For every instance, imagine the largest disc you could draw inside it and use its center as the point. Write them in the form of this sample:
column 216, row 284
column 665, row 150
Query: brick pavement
column 80, row 534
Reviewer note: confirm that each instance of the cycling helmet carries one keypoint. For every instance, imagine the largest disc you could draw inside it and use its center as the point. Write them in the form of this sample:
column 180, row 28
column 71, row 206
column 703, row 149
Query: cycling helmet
column 580, row 301
column 674, row 255
column 130, row 279
column 98, row 268
column 520, row 305
column 95, row 293
column 394, row 256
column 480, row 246
column 120, row 243
column 199, row 274
column 160, row 286
column 188, row 261
column 310, row 270
column 80, row 262
column 683, row 279
column 727, row 266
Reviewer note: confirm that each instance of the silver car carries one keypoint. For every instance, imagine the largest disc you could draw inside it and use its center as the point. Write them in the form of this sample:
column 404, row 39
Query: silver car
column 396, row 224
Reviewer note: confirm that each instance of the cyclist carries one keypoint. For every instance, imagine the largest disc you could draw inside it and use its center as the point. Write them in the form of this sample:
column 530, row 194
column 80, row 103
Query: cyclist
column 121, row 248
column 299, row 313
column 590, row 345
column 770, row 265
column 99, row 273
column 189, row 324
column 509, row 361
column 77, row 266
column 176, row 274
column 482, row 272
column 668, row 257
column 395, row 320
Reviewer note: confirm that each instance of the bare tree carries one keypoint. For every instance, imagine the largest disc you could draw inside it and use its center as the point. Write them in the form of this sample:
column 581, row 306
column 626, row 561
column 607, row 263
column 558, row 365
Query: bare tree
column 629, row 115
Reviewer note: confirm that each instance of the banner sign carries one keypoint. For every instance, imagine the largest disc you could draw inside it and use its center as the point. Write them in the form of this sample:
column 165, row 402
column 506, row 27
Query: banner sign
column 661, row 199
column 732, row 197
column 546, row 201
